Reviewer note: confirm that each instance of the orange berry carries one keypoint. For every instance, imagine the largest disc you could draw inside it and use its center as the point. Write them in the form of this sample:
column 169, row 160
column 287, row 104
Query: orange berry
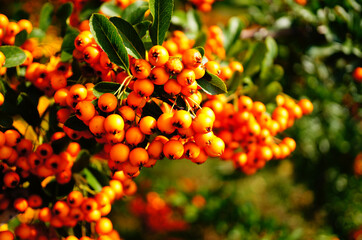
column 141, row 69
column 113, row 124
column 107, row 102
column 138, row 157
column 119, row 153
column 158, row 55
column 103, row 226
column 143, row 87
column 148, row 125
column 191, row 58
column 85, row 110
column 173, row 149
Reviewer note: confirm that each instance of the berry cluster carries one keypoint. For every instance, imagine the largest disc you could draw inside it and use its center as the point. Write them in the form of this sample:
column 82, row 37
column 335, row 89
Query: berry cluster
column 253, row 130
column 158, row 215
column 203, row 5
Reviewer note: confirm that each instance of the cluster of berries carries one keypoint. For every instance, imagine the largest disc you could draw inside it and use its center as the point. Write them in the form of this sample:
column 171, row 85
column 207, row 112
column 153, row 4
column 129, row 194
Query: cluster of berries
column 214, row 46
column 253, row 130
column 157, row 214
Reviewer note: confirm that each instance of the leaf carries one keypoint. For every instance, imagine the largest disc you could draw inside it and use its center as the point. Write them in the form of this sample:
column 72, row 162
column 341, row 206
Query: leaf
column 21, row 37
column 193, row 24
column 5, row 121
column 151, row 109
column 14, row 56
column 135, row 12
column 107, row 36
column 212, row 84
column 75, row 123
column 201, row 50
column 81, row 162
column 105, row 87
column 64, row 11
column 271, row 52
column 60, row 145
column 9, row 106
column 110, row 9
column 161, row 11
column 131, row 40
column 252, row 65
column 142, row 28
column 235, row 82
column 100, row 176
column 37, row 33
column 92, row 180
column 232, row 32
column 28, row 110
column 68, row 47
column 55, row 190
column 270, row 91
column 45, row 18
column 272, row 73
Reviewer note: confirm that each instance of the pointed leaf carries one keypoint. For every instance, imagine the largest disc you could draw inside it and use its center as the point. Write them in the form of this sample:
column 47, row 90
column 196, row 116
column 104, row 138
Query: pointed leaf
column 131, row 40
column 212, row 84
column 111, row 9
column 21, row 37
column 28, row 110
column 193, row 24
column 14, row 56
column 37, row 33
column 92, row 180
column 64, row 11
column 107, row 36
column 68, row 47
column 135, row 12
column 82, row 161
column 234, row 82
column 161, row 11
column 75, row 123
column 201, row 50
column 46, row 16
column 142, row 28
column 253, row 64
column 105, row 87
column 232, row 32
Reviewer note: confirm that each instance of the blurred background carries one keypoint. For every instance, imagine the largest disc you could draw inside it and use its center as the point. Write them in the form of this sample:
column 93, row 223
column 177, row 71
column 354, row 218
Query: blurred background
column 314, row 194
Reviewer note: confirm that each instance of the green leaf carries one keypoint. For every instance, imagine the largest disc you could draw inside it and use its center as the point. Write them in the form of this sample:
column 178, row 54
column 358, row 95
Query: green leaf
column 105, row 87
column 270, row 92
column 68, row 47
column 81, row 162
column 21, row 37
column 161, row 11
column 5, row 121
column 212, row 84
column 252, row 65
column 9, row 106
column 201, row 50
column 28, row 110
column 232, row 32
column 110, row 9
column 235, row 82
column 45, row 18
column 37, row 33
column 272, row 73
column 193, row 24
column 135, row 12
column 75, row 123
column 142, row 28
column 64, row 11
column 14, row 56
column 92, row 180
column 101, row 177
column 107, row 36
column 271, row 52
column 131, row 40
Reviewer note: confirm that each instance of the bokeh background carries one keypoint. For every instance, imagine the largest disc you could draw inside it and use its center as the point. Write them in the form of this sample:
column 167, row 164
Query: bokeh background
column 314, row 194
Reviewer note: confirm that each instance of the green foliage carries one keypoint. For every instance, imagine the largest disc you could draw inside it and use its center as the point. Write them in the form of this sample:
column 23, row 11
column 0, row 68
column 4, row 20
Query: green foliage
column 14, row 56
column 212, row 84
column 107, row 36
column 161, row 12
